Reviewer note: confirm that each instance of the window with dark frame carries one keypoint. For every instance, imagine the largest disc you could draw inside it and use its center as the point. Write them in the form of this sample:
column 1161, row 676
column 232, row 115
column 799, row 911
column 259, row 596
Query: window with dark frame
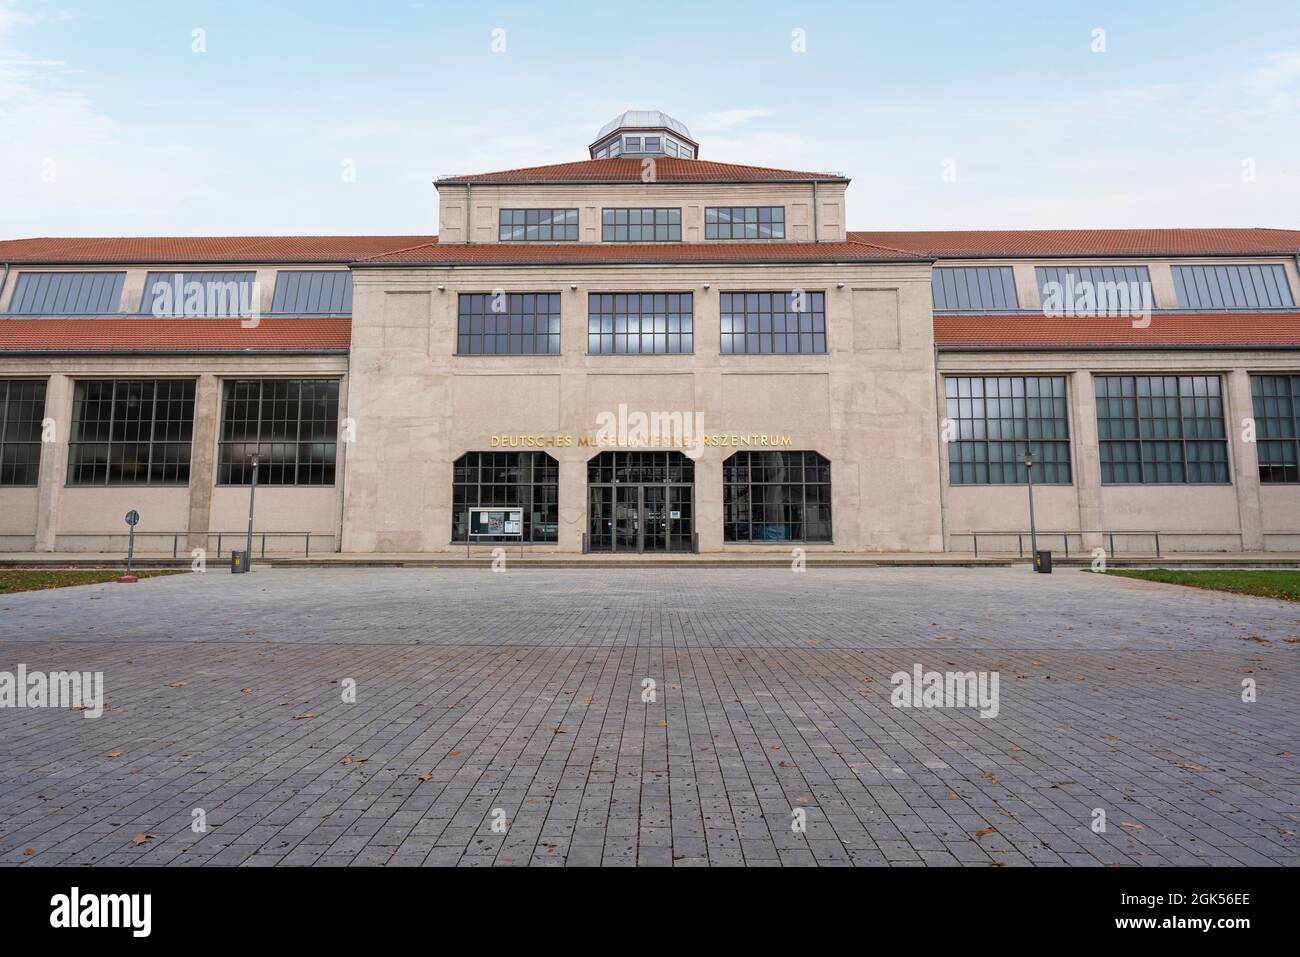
column 776, row 497
column 1276, row 406
column 538, row 225
column 22, row 412
column 744, row 222
column 973, row 289
column 529, row 481
column 1233, row 286
column 662, row 225
column 994, row 417
column 131, row 432
column 224, row 294
column 639, row 323
column 762, row 322
column 514, row 324
column 67, row 293
column 291, row 423
column 1161, row 430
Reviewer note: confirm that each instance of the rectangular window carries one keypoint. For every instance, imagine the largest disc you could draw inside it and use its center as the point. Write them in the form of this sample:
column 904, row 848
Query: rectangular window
column 22, row 410
column 292, row 424
column 973, row 288
column 67, row 293
column 538, row 225
column 517, row 324
column 744, row 222
column 640, row 323
column 199, row 294
column 131, row 432
column 529, row 481
column 303, row 292
column 1161, row 430
column 1276, row 401
column 759, row 322
column 652, row 144
column 632, row 143
column 1233, row 287
column 776, row 497
column 641, row 225
column 995, row 418
column 1109, row 285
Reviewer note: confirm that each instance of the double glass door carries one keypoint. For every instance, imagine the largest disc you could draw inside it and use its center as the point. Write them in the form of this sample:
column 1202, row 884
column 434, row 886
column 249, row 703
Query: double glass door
column 641, row 518
column 640, row 502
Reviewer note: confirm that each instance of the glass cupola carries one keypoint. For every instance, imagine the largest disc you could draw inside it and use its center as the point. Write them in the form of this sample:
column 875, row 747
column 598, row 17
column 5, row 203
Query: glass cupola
column 640, row 133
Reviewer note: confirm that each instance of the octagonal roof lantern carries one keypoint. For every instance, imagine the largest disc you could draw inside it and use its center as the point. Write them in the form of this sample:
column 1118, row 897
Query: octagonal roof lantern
column 644, row 133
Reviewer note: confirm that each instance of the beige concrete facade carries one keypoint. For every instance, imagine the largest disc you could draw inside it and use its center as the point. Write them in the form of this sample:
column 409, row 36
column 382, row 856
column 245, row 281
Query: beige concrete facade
column 1239, row 516
column 873, row 403
column 55, row 516
column 799, row 200
column 866, row 404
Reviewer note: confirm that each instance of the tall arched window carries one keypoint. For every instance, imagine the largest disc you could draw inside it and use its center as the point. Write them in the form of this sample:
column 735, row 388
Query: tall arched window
column 776, row 497
column 525, row 480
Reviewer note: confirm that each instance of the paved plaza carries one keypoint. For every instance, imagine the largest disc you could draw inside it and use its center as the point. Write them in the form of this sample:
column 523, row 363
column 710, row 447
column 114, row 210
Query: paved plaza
column 499, row 719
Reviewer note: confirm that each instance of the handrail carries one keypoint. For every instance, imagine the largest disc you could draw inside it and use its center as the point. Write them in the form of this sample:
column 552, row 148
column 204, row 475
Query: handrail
column 1108, row 534
column 1052, row 533
column 219, row 536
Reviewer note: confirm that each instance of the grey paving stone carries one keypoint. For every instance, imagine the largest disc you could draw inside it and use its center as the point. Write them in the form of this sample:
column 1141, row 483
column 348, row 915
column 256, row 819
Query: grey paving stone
column 521, row 692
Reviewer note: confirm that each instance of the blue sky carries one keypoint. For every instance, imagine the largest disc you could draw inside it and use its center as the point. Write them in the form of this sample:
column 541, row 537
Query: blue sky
column 112, row 124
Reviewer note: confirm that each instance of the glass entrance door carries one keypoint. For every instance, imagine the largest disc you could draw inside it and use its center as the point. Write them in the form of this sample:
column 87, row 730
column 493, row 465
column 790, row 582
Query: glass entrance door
column 640, row 502
column 655, row 515
column 627, row 518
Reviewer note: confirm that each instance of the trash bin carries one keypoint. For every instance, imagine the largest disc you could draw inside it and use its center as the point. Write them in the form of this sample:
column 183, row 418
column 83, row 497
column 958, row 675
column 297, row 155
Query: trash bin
column 1043, row 561
column 238, row 562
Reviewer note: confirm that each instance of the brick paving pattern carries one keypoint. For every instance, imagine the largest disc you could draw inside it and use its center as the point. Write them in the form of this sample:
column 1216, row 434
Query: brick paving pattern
column 518, row 696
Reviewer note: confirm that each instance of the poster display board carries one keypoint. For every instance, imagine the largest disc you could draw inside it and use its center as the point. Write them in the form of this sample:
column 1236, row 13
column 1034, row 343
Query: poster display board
column 496, row 521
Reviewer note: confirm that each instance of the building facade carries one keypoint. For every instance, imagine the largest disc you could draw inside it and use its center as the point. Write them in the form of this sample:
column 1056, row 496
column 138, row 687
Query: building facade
column 647, row 351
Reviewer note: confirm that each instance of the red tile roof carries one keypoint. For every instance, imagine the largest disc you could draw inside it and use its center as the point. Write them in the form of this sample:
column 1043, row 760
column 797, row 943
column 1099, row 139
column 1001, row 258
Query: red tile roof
column 1014, row 243
column 667, row 169
column 202, row 249
column 1203, row 330
column 510, row 254
column 86, row 335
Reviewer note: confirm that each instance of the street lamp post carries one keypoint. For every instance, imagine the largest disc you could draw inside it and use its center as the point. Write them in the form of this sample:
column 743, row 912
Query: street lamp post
column 1033, row 530
column 252, row 492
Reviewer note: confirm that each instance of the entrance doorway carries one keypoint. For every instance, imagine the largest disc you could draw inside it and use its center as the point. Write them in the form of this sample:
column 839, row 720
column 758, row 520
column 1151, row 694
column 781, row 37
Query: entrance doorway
column 641, row 502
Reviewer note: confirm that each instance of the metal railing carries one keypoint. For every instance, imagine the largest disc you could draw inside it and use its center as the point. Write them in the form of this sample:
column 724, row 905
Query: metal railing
column 1021, row 535
column 1108, row 535
column 237, row 538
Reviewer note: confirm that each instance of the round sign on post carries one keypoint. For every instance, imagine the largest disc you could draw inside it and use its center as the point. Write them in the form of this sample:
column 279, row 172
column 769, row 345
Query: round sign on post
column 132, row 519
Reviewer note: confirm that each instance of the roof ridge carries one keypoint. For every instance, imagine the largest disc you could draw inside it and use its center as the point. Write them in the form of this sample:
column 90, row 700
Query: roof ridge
column 848, row 238
column 394, row 252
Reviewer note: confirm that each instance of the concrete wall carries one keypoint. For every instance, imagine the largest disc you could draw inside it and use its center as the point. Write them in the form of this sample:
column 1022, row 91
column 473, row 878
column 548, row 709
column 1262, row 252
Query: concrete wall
column 867, row 404
column 1240, row 515
column 55, row 516
column 797, row 199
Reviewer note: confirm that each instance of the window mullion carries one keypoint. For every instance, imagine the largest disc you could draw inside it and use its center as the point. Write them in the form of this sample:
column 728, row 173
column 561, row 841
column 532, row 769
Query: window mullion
column 112, row 420
column 153, row 425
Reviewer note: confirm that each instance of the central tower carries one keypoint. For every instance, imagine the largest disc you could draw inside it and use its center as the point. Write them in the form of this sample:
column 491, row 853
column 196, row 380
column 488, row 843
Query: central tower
column 640, row 133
